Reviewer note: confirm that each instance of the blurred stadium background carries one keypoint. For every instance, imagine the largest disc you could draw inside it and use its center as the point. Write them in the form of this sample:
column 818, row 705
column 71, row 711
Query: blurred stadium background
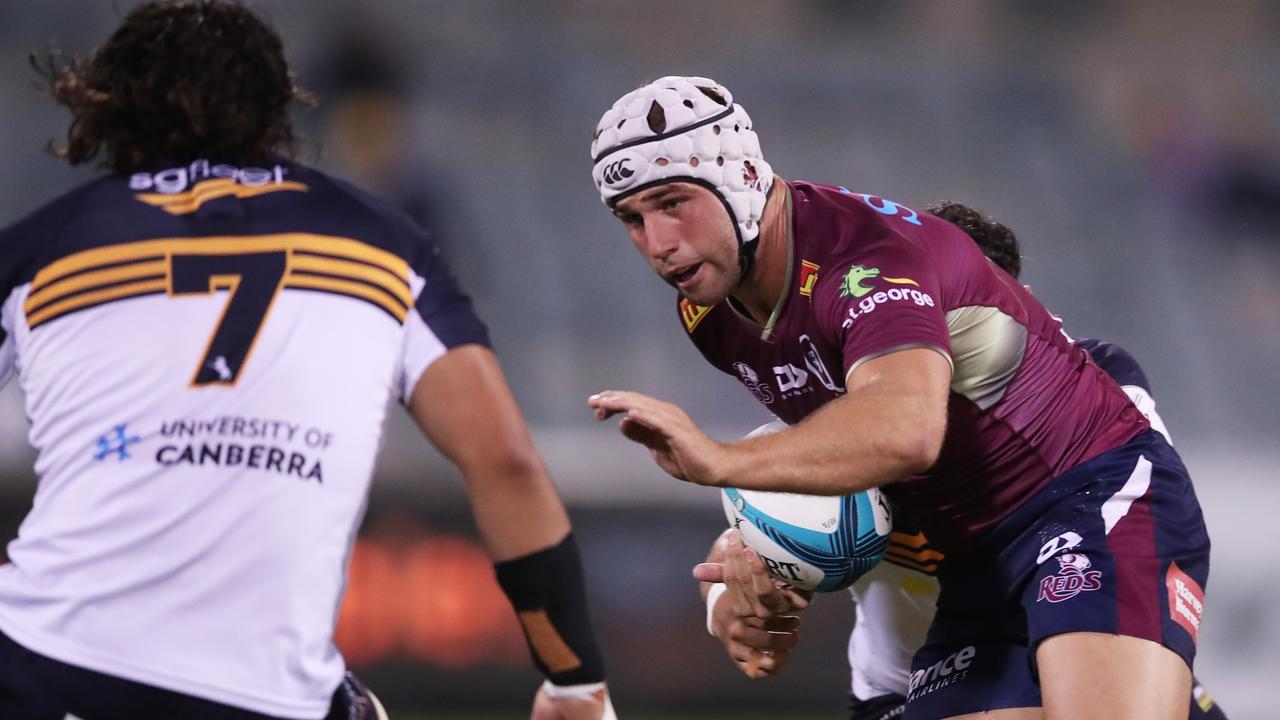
column 1134, row 146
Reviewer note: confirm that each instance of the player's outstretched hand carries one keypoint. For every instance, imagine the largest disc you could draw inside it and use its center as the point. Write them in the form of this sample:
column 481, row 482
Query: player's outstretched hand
column 572, row 705
column 675, row 441
column 753, row 617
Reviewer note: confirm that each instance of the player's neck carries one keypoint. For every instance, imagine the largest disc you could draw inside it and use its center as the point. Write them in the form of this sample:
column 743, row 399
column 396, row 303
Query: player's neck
column 759, row 293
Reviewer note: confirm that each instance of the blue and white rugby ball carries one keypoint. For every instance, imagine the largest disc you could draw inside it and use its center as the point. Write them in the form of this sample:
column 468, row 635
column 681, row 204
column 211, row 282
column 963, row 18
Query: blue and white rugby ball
column 814, row 542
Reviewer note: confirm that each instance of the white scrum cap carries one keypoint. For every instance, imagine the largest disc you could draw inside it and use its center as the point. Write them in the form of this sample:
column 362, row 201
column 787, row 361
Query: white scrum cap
column 684, row 129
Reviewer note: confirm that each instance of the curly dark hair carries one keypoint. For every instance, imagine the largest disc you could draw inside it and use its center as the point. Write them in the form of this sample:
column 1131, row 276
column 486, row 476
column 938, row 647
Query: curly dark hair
column 179, row 79
column 996, row 240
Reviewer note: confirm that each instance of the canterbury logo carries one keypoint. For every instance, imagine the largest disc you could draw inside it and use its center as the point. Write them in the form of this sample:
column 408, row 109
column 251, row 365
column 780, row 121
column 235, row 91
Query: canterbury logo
column 617, row 171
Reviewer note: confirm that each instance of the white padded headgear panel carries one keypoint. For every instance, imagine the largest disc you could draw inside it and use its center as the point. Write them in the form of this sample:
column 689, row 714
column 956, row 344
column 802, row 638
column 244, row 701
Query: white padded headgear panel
column 699, row 138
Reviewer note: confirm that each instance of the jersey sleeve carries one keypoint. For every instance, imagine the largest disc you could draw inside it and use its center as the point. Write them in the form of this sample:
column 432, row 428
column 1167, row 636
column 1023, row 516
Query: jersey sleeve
column 882, row 299
column 440, row 319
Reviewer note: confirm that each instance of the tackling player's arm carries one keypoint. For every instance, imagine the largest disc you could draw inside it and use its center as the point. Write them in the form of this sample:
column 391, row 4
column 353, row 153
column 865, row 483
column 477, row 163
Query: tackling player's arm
column 464, row 406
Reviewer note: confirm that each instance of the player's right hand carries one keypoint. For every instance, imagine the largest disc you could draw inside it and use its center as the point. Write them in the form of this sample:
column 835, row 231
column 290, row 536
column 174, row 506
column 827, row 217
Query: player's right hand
column 752, row 618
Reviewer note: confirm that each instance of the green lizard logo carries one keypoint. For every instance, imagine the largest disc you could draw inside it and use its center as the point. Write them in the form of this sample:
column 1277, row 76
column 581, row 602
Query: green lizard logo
column 851, row 285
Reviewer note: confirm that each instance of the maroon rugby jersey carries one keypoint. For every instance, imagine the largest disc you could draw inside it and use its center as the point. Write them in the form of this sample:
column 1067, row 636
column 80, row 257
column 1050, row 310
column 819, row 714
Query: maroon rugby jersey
column 868, row 277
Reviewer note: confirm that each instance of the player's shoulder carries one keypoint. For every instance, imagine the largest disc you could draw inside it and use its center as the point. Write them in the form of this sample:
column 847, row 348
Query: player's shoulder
column 354, row 212
column 25, row 241
column 841, row 223
column 1116, row 362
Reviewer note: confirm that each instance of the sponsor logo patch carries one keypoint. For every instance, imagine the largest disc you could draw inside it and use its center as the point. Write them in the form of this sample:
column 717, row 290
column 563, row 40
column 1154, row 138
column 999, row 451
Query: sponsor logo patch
column 813, row 361
column 116, row 443
column 851, row 286
column 1186, row 600
column 851, row 283
column 1065, row 541
column 808, row 277
column 691, row 314
column 948, row 671
column 182, row 190
column 1073, row 578
column 791, row 379
column 751, row 379
column 617, row 171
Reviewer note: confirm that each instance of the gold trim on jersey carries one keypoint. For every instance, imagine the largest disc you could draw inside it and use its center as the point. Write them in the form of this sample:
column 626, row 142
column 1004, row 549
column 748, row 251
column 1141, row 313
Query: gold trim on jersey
column 691, row 314
column 315, row 262
column 187, row 202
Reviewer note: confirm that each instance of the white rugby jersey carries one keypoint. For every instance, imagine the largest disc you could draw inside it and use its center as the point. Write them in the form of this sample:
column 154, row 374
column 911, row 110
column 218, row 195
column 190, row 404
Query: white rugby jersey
column 206, row 353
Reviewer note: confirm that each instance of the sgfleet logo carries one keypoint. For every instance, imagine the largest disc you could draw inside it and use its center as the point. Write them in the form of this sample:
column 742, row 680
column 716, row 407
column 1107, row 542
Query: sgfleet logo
column 182, row 190
column 1073, row 578
column 948, row 671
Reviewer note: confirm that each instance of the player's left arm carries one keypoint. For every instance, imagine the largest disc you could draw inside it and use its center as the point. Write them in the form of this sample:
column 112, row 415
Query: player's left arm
column 454, row 388
column 465, row 407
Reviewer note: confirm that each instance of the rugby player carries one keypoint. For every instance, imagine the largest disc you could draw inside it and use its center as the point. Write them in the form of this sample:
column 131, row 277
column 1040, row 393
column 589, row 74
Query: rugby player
column 894, row 603
column 207, row 337
column 901, row 357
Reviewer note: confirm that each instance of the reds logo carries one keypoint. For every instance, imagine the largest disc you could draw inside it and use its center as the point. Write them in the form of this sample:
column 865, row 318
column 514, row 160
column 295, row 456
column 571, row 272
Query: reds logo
column 752, row 380
column 1073, row 578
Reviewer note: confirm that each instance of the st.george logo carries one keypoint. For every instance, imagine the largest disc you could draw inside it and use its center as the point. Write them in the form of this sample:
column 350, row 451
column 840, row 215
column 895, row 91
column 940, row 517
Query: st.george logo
column 617, row 171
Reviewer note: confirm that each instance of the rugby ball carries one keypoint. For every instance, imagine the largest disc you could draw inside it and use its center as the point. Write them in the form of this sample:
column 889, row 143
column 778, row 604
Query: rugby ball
column 819, row 543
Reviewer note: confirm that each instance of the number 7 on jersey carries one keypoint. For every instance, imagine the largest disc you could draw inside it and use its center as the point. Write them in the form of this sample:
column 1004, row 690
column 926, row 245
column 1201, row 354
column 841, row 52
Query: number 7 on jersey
column 253, row 279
